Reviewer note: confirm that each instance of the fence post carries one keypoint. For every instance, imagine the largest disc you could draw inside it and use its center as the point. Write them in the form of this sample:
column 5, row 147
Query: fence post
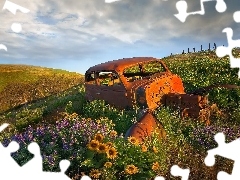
column 188, row 50
column 209, row 46
column 201, row 48
column 215, row 46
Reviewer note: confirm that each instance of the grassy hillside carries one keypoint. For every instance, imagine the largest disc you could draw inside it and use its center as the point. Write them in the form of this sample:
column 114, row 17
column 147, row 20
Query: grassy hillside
column 20, row 84
column 70, row 136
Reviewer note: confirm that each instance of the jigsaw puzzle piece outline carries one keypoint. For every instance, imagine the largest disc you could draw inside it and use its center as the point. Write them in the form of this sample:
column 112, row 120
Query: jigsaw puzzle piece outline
column 7, row 164
column 2, row 46
column 85, row 178
column 231, row 148
column 35, row 164
column 182, row 6
column 16, row 27
column 159, row 178
column 4, row 125
column 222, row 51
column 235, row 172
column 64, row 165
column 227, row 150
column 236, row 16
column 12, row 7
column 177, row 171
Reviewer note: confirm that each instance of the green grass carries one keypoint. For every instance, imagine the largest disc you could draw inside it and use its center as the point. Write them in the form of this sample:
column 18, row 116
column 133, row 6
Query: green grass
column 22, row 84
column 196, row 70
column 203, row 69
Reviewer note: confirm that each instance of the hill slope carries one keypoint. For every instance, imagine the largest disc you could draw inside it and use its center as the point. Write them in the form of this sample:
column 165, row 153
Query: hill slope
column 21, row 84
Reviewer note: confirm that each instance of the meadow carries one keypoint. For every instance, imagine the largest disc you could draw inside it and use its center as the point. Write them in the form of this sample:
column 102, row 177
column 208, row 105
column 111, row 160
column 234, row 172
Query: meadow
column 23, row 84
column 91, row 134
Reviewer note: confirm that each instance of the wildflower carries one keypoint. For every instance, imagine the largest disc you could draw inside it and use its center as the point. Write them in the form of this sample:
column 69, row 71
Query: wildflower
column 102, row 148
column 109, row 144
column 133, row 140
column 93, row 145
column 155, row 149
column 112, row 153
column 98, row 121
column 108, row 164
column 155, row 166
column 113, row 133
column 95, row 173
column 131, row 169
column 87, row 161
column 99, row 137
column 144, row 148
column 74, row 115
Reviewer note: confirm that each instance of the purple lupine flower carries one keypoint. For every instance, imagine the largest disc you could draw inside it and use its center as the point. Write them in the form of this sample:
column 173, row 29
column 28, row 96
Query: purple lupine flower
column 73, row 134
column 65, row 146
column 205, row 136
column 5, row 142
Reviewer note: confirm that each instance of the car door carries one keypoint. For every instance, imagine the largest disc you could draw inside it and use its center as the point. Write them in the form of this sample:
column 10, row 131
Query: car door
column 112, row 90
column 91, row 86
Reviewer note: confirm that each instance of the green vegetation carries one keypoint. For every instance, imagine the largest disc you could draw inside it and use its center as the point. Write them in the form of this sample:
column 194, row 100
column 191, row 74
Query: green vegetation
column 85, row 127
column 203, row 69
column 20, row 84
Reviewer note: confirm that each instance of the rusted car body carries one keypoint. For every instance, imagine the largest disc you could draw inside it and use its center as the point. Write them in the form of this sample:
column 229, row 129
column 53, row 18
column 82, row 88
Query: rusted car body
column 145, row 82
column 125, row 89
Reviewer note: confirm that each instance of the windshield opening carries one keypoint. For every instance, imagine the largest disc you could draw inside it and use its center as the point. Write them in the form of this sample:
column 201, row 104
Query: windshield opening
column 145, row 70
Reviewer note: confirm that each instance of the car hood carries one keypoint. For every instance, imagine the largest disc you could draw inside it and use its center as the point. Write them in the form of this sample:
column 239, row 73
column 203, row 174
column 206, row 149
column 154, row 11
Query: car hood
column 154, row 87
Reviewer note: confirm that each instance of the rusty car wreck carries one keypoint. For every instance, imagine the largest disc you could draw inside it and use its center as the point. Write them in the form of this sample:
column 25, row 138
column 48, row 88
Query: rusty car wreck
column 145, row 82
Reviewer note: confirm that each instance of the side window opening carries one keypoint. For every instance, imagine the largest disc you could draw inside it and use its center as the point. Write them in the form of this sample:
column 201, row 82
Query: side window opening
column 109, row 79
column 90, row 78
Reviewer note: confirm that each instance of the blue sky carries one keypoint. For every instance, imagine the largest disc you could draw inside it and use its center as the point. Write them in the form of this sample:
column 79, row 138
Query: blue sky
column 74, row 35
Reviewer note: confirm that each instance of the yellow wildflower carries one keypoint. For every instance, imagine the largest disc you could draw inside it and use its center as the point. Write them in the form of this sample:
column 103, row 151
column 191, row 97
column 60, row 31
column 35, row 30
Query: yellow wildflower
column 95, row 173
column 93, row 145
column 144, row 148
column 131, row 169
column 133, row 140
column 102, row 148
column 109, row 144
column 113, row 133
column 155, row 166
column 98, row 121
column 112, row 153
column 155, row 149
column 99, row 137
column 108, row 164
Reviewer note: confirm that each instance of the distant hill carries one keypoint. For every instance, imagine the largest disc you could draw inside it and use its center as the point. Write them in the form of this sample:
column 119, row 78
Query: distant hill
column 20, row 84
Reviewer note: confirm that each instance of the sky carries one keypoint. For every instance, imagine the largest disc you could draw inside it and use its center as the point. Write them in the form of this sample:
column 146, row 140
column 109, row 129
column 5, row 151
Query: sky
column 75, row 35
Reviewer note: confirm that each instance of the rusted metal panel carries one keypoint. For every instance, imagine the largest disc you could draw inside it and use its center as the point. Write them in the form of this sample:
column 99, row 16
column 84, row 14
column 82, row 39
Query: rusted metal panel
column 146, row 125
column 132, row 85
column 190, row 105
column 120, row 64
column 160, row 86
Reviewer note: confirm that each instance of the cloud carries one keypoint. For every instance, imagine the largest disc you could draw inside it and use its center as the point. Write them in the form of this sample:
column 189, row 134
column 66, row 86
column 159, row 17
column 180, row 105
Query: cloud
column 79, row 31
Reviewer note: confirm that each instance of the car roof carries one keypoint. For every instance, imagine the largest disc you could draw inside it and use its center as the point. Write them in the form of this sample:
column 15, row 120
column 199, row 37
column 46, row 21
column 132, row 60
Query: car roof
column 120, row 64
